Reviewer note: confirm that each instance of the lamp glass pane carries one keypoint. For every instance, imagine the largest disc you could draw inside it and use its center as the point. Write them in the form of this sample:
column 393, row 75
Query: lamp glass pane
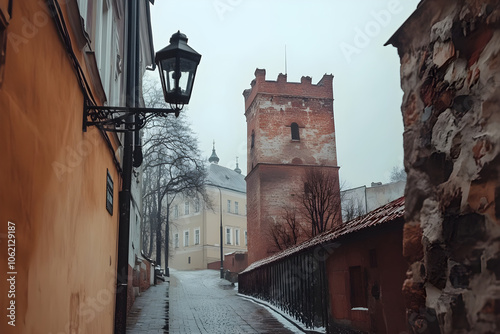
column 188, row 69
column 168, row 68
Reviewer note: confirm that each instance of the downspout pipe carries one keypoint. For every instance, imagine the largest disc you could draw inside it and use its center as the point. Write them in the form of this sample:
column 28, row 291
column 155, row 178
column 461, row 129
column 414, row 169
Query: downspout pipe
column 125, row 193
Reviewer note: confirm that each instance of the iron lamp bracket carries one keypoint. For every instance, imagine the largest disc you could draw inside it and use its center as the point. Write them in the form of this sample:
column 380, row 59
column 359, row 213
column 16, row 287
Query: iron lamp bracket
column 117, row 119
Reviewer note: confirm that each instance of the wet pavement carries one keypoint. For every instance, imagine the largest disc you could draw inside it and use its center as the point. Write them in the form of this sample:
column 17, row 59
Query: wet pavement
column 149, row 312
column 200, row 302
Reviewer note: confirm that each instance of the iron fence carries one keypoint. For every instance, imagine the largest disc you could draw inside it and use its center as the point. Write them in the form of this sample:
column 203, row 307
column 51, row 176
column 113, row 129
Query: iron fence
column 296, row 284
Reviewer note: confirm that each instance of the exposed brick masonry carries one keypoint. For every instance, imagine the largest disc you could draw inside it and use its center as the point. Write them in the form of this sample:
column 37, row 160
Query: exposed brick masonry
column 276, row 163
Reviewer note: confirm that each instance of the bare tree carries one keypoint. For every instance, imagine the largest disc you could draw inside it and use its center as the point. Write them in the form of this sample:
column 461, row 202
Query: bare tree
column 172, row 165
column 320, row 200
column 398, row 174
column 318, row 210
column 285, row 233
column 352, row 208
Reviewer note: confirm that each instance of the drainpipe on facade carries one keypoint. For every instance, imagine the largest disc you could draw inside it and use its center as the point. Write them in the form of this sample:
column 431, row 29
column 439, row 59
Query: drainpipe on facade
column 125, row 195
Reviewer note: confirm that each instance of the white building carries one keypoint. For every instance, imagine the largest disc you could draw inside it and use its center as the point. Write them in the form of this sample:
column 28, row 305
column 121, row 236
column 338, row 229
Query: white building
column 361, row 200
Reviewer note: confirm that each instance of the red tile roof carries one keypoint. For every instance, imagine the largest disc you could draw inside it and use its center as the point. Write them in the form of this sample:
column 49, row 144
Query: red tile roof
column 382, row 215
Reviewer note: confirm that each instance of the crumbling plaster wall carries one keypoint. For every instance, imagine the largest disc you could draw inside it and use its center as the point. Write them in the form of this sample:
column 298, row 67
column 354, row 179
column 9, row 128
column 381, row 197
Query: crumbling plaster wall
column 450, row 75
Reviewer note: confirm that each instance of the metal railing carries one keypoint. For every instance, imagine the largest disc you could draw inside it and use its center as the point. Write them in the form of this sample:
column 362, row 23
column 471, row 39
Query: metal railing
column 296, row 284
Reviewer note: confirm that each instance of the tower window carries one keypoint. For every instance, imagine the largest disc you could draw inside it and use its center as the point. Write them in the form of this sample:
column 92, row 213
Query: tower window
column 295, row 131
column 253, row 139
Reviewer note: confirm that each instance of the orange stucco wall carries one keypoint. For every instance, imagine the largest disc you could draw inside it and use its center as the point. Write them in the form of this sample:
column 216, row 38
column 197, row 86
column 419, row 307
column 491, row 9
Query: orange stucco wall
column 53, row 187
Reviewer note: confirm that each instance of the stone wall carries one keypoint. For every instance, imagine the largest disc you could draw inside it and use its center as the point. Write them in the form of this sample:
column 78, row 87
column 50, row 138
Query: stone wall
column 450, row 75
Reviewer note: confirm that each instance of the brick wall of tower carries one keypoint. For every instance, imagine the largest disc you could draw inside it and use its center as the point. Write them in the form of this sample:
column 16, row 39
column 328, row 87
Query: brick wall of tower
column 276, row 163
column 271, row 108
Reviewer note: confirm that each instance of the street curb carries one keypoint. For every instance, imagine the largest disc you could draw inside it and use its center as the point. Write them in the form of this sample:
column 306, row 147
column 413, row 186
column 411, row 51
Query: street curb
column 167, row 308
column 280, row 312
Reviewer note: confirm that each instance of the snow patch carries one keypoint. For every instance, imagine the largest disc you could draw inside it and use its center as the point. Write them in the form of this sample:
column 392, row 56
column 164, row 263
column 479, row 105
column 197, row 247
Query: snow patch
column 359, row 309
column 286, row 322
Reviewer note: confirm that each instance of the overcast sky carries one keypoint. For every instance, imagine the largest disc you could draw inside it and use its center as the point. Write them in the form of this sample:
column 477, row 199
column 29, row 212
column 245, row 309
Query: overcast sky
column 343, row 38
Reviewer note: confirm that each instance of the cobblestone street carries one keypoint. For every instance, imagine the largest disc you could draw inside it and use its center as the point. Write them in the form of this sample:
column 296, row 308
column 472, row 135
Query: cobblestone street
column 200, row 302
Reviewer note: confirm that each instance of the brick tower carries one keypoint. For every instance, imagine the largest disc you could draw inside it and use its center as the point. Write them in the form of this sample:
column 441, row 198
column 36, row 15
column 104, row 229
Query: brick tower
column 290, row 128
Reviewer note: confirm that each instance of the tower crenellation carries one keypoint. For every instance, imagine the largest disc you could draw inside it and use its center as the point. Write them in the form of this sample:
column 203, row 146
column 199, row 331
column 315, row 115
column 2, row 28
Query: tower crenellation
column 304, row 88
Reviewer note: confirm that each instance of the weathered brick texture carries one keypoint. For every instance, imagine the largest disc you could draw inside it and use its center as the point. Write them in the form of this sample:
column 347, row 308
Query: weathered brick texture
column 450, row 75
column 276, row 162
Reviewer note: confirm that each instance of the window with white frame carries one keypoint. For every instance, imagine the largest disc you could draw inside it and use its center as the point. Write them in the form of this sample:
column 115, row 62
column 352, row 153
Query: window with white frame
column 99, row 23
column 237, row 237
column 176, row 211
column 176, row 240
column 229, row 232
column 235, row 207
column 197, row 205
column 197, row 236
column 186, row 208
column 103, row 49
column 83, row 8
column 186, row 238
column 246, row 239
column 229, row 205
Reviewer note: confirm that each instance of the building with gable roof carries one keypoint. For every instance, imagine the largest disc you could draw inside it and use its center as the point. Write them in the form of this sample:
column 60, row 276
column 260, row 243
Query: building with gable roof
column 195, row 226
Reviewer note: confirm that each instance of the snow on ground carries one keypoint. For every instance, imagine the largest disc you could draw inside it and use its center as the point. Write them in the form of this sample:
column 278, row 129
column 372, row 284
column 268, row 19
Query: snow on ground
column 283, row 319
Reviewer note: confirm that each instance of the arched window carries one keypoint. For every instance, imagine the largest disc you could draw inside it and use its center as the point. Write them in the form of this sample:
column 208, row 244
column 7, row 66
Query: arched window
column 253, row 139
column 295, row 131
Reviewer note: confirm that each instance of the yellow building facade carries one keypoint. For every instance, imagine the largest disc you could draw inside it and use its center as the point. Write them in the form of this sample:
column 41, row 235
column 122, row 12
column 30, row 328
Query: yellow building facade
column 195, row 226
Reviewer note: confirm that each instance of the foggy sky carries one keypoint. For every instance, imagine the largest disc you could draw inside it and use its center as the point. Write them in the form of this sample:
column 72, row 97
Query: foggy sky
column 335, row 37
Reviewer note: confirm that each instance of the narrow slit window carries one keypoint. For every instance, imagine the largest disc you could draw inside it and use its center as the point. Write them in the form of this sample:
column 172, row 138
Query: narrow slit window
column 295, row 131
column 109, row 194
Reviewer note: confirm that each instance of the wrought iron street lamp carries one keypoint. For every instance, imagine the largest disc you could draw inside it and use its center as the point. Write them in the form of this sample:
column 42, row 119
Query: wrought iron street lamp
column 177, row 64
